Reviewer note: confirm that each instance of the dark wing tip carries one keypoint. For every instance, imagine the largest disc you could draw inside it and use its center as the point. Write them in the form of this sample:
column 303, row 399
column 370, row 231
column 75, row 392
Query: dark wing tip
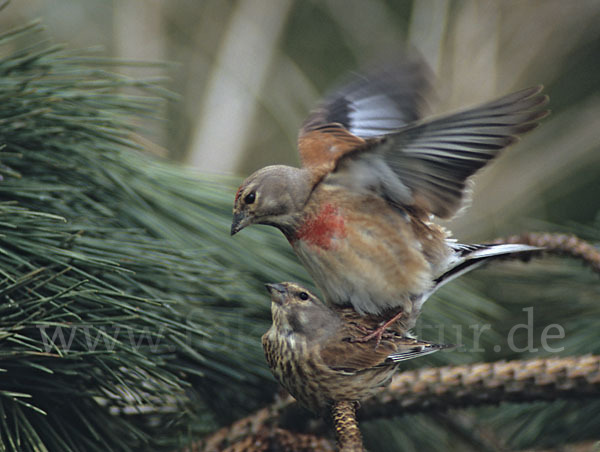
column 389, row 94
column 536, row 89
column 523, row 129
column 435, row 158
column 530, row 92
column 541, row 114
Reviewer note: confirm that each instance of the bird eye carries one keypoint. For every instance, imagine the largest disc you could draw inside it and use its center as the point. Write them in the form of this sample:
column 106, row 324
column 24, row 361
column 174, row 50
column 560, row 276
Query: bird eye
column 250, row 198
column 303, row 295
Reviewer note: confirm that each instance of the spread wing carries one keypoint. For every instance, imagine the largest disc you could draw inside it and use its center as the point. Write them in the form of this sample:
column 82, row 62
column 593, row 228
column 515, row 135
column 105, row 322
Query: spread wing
column 427, row 164
column 370, row 105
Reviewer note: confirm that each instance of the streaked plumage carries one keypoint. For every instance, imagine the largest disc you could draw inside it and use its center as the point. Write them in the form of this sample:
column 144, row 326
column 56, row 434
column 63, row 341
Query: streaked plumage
column 311, row 352
column 359, row 212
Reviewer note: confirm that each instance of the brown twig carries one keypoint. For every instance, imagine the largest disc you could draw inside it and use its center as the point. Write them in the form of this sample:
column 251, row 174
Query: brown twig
column 347, row 432
column 259, row 433
column 424, row 390
column 487, row 383
column 559, row 244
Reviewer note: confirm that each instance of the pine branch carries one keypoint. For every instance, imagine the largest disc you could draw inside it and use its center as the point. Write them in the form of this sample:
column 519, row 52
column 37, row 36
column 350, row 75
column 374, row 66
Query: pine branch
column 127, row 259
column 347, row 432
column 487, row 383
column 259, row 433
column 560, row 245
column 435, row 389
column 118, row 307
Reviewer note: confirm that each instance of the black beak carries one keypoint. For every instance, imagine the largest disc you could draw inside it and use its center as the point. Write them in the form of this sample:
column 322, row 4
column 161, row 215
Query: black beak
column 237, row 224
column 277, row 292
column 275, row 288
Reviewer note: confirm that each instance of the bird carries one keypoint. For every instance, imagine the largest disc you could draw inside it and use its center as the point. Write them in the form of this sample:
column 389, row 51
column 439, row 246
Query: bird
column 360, row 213
column 311, row 352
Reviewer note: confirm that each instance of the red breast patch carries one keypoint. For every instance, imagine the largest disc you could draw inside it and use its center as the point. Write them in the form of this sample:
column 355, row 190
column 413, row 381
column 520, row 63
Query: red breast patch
column 320, row 229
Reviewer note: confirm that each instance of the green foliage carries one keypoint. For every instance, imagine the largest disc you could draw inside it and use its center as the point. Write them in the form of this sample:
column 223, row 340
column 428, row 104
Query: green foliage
column 121, row 291
column 130, row 320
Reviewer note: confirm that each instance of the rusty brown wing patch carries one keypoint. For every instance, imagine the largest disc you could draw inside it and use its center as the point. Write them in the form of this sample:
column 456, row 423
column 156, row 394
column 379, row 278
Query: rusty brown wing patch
column 323, row 146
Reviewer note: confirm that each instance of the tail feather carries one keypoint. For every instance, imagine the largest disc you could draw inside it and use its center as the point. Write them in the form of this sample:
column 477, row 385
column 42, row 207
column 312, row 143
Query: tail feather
column 416, row 350
column 469, row 257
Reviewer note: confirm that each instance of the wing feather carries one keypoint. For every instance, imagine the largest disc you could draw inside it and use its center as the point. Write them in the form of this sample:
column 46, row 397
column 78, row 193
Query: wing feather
column 430, row 162
column 369, row 105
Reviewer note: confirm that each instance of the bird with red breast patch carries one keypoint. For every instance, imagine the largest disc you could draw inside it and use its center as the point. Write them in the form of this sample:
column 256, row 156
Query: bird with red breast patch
column 374, row 175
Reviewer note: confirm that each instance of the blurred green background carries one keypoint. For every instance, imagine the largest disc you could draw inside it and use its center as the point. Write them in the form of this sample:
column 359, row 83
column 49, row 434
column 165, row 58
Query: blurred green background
column 246, row 73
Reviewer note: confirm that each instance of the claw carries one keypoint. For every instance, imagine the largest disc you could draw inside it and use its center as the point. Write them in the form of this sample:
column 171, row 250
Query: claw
column 379, row 332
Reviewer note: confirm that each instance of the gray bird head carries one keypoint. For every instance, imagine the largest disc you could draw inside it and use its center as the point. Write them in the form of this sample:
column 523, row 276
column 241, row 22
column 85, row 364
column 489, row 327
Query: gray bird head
column 298, row 311
column 273, row 195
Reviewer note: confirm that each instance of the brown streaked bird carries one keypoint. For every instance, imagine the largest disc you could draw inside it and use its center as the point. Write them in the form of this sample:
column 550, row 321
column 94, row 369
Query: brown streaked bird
column 359, row 212
column 311, row 350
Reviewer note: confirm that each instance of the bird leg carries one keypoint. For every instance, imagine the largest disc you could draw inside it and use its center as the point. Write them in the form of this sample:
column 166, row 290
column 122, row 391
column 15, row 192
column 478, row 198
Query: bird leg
column 379, row 331
column 362, row 328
